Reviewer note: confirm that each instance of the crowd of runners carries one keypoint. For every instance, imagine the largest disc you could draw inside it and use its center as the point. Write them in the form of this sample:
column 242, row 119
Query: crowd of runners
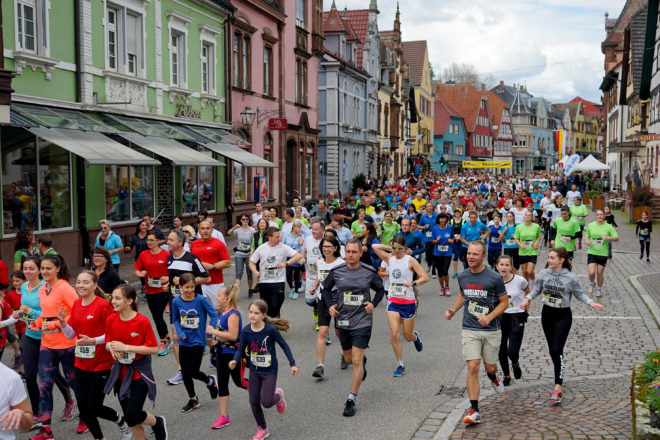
column 343, row 255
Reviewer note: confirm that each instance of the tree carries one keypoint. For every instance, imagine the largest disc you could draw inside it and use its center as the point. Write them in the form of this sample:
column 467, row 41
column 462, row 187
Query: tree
column 462, row 72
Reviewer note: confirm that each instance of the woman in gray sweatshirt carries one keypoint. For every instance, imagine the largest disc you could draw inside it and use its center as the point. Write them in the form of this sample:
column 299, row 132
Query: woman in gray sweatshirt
column 556, row 285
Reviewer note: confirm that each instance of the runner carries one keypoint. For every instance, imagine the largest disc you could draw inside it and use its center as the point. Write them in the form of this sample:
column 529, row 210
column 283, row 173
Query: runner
column 557, row 285
column 189, row 312
column 15, row 412
column 131, row 342
column 609, row 218
column 214, row 257
column 484, row 296
column 402, row 303
column 93, row 362
column 388, row 229
column 513, row 318
column 226, row 335
column 13, row 298
column 495, row 240
column 352, row 307
column 565, row 230
column 311, row 255
column 331, row 252
column 414, row 244
column 457, row 224
column 578, row 212
column 598, row 235
column 425, row 223
column 528, row 236
column 294, row 273
column 258, row 340
column 472, row 230
column 643, row 231
column 243, row 233
column 510, row 247
column 443, row 242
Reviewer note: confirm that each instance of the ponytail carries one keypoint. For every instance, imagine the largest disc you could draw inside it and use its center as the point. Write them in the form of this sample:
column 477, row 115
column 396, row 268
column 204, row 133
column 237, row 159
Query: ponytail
column 97, row 291
column 231, row 293
column 280, row 324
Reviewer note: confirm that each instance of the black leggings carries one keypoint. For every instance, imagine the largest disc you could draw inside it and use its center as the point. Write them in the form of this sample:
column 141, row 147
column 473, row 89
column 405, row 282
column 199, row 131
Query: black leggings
column 132, row 407
column 157, row 303
column 513, row 329
column 88, row 386
column 514, row 253
column 237, row 374
column 493, row 255
column 191, row 360
column 647, row 244
column 556, row 325
column 294, row 274
column 261, row 392
column 30, row 351
column 442, row 265
column 430, row 257
column 273, row 294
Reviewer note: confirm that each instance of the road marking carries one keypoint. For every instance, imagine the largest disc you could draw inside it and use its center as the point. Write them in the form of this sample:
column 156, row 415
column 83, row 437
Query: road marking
column 598, row 317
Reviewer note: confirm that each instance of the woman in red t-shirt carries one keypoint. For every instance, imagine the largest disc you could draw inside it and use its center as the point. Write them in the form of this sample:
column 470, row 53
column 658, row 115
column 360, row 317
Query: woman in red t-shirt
column 93, row 363
column 13, row 298
column 152, row 266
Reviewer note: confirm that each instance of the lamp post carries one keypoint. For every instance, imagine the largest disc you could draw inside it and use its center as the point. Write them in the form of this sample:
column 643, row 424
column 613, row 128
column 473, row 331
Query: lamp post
column 247, row 116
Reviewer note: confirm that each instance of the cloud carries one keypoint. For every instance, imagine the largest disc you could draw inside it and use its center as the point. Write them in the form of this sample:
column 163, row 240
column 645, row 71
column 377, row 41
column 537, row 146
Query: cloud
column 553, row 46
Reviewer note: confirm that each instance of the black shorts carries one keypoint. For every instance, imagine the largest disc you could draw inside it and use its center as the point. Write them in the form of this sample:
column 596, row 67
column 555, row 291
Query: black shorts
column 358, row 338
column 578, row 234
column 528, row 259
column 598, row 259
column 324, row 314
column 11, row 338
column 570, row 254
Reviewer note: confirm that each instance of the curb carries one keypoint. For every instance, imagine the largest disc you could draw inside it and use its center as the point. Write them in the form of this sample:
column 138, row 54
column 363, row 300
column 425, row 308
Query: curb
column 648, row 300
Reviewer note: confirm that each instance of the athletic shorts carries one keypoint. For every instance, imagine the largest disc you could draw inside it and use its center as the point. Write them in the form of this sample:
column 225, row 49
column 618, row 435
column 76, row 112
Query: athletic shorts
column 646, row 238
column 358, row 338
column 570, row 254
column 324, row 314
column 480, row 344
column 598, row 259
column 407, row 311
column 210, row 292
column 528, row 259
column 579, row 233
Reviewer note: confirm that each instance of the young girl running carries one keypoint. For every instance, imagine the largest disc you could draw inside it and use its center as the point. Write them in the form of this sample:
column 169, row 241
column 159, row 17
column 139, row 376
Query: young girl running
column 557, row 285
column 513, row 318
column 443, row 242
column 189, row 312
column 259, row 338
column 528, row 237
column 93, row 363
column 507, row 236
column 13, row 298
column 494, row 240
column 131, row 342
column 643, row 231
column 226, row 335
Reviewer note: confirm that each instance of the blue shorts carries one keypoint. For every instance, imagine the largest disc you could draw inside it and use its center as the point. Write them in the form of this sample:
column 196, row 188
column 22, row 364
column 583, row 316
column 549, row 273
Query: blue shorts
column 407, row 311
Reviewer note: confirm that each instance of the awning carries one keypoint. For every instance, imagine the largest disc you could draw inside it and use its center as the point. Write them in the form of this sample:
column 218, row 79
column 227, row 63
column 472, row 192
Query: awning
column 239, row 155
column 94, row 147
column 170, row 149
column 625, row 147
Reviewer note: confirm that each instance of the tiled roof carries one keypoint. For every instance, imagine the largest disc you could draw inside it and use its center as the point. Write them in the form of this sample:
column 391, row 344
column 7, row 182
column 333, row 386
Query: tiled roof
column 630, row 8
column 497, row 106
column 442, row 114
column 359, row 21
column 637, row 42
column 508, row 93
column 464, row 98
column 413, row 53
column 571, row 106
column 332, row 22
column 589, row 108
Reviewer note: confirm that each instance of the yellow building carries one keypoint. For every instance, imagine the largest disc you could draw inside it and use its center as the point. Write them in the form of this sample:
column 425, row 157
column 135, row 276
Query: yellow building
column 416, row 55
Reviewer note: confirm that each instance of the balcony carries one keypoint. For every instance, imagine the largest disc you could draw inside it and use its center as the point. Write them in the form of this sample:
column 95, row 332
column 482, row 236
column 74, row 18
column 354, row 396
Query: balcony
column 520, row 151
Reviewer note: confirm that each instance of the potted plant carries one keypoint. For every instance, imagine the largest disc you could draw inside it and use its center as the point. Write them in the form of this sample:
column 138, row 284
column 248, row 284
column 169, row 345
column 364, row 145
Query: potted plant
column 596, row 199
column 641, row 201
column 646, row 397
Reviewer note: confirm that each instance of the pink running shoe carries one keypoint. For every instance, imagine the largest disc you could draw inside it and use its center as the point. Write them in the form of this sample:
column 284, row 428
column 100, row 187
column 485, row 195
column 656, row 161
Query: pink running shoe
column 69, row 411
column 447, row 291
column 221, row 422
column 82, row 427
column 441, row 292
column 44, row 434
column 281, row 405
column 261, row 434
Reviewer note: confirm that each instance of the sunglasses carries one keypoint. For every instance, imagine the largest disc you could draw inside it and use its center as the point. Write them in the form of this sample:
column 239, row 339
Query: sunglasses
column 398, row 248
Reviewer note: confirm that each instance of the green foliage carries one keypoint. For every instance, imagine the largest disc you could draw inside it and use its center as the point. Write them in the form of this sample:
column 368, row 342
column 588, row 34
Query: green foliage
column 359, row 181
column 642, row 196
column 651, row 368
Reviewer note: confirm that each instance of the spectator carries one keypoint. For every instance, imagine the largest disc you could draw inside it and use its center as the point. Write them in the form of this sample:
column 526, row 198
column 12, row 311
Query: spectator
column 139, row 239
column 45, row 245
column 106, row 273
column 109, row 240
column 23, row 247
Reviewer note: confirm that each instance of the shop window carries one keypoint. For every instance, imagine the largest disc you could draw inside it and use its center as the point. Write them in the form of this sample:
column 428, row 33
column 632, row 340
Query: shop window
column 309, row 173
column 129, row 192
column 240, row 182
column 268, row 155
column 207, row 188
column 198, row 190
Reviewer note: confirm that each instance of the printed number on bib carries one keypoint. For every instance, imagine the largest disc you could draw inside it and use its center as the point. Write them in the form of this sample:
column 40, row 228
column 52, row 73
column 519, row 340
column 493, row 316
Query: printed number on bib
column 443, row 248
column 191, row 322
column 566, row 239
column 551, row 301
column 270, row 273
column 260, row 360
column 644, row 232
column 495, row 240
column 510, row 301
column 154, row 282
column 342, row 323
column 475, row 309
column 510, row 242
column 398, row 289
column 85, row 351
column 46, row 322
column 127, row 358
column 312, row 269
column 322, row 275
column 597, row 241
column 457, row 236
column 175, row 291
column 429, row 234
column 527, row 243
column 353, row 300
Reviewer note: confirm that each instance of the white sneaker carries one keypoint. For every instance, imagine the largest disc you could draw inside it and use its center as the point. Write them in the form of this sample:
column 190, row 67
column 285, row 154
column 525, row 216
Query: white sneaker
column 498, row 386
column 599, row 292
column 590, row 289
column 125, row 432
column 176, row 380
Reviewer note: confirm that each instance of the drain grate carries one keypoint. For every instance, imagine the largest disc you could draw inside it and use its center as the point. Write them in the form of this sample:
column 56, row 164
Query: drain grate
column 451, row 391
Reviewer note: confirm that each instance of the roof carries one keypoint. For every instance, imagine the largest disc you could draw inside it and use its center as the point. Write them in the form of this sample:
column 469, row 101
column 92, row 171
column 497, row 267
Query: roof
column 442, row 114
column 497, row 106
column 508, row 93
column 615, row 36
column 335, row 21
column 589, row 108
column 519, row 104
column 359, row 20
column 464, row 98
column 571, row 106
column 637, row 28
column 413, row 54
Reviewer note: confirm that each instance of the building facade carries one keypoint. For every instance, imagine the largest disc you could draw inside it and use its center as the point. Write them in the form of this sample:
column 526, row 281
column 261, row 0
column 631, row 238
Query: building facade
column 449, row 138
column 502, row 130
column 416, row 55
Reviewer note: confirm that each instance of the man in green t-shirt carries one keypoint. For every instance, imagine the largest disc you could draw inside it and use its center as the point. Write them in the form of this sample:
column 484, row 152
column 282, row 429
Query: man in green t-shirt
column 598, row 234
column 527, row 236
column 566, row 229
column 579, row 212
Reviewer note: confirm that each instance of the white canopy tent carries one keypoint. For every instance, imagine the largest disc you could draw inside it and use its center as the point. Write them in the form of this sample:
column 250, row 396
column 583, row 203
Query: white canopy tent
column 590, row 164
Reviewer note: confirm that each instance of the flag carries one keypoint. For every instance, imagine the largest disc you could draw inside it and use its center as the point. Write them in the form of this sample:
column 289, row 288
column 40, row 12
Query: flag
column 559, row 142
column 419, row 137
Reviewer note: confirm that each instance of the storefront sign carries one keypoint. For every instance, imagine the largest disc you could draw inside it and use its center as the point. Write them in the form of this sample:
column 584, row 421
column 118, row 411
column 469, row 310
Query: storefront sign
column 386, row 145
column 277, row 124
column 184, row 110
column 486, row 164
column 648, row 137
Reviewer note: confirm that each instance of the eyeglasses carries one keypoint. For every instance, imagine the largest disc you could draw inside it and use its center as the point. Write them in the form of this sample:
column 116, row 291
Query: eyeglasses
column 104, row 228
column 98, row 256
column 151, row 239
column 328, row 247
column 244, row 219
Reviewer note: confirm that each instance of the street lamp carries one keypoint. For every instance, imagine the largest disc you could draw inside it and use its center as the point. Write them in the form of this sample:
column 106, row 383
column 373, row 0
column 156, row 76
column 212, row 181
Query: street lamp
column 247, row 116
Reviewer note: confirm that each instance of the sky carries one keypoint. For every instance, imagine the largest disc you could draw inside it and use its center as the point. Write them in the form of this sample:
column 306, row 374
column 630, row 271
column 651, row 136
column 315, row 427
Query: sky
column 551, row 46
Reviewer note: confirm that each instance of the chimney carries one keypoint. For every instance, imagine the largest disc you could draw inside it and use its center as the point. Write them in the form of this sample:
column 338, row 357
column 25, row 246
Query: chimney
column 522, row 88
column 501, row 89
column 483, row 87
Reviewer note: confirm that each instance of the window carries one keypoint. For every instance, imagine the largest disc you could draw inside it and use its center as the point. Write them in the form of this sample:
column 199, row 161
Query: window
column 26, row 31
column 446, row 149
column 300, row 13
column 235, row 63
column 345, row 114
column 178, row 57
column 245, row 63
column 268, row 71
column 124, row 41
column 268, row 155
column 128, row 192
column 190, row 189
column 301, row 82
column 459, row 149
column 303, row 85
column 206, row 188
column 208, row 67
column 133, row 42
column 309, row 173
column 111, row 26
column 241, row 61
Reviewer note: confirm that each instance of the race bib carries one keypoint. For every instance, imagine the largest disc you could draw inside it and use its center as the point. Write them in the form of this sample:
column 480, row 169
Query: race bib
column 127, row 357
column 46, row 322
column 175, row 291
column 475, row 309
column 312, row 269
column 644, row 232
column 457, row 236
column 85, row 351
column 261, row 360
column 190, row 322
column 495, row 240
column 429, row 234
column 154, row 282
column 528, row 243
column 443, row 248
column 25, row 318
column 322, row 275
column 510, row 301
column 510, row 242
column 397, row 289
column 342, row 323
column 243, row 247
column 271, row 273
column 353, row 300
column 551, row 301
column 566, row 239
column 597, row 242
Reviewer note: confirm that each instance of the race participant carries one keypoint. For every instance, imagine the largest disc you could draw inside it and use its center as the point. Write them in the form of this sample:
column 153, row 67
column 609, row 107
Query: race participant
column 259, row 209
column 214, row 257
column 352, row 305
column 507, row 236
column 131, row 342
column 402, row 303
column 343, row 233
column 151, row 266
column 528, row 236
column 258, row 339
column 494, row 240
column 296, row 203
column 273, row 258
column 643, row 231
column 457, row 249
column 579, row 212
column 330, row 249
column 513, row 319
column 519, row 211
column 472, row 230
column 426, row 222
column 414, row 244
column 443, row 242
column 484, row 296
column 565, row 230
column 536, row 197
column 93, row 362
column 243, row 233
column 598, row 235
column 294, row 272
column 179, row 262
column 15, row 412
column 571, row 196
column 311, row 254
column 557, row 285
column 387, row 229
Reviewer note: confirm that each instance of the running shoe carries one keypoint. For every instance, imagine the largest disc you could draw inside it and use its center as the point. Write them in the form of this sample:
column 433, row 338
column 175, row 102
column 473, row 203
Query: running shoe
column 435, row 277
column 281, row 405
column 590, row 289
column 36, row 422
column 472, row 418
column 364, row 368
column 167, row 308
column 44, row 434
column 316, row 326
column 344, row 364
column 319, row 372
column 579, row 245
column 599, row 292
column 507, row 381
column 192, row 404
column 400, row 371
column 160, row 428
column 418, row 341
column 164, row 347
column 261, row 434
column 556, row 397
column 497, row 384
column 18, row 361
column 441, row 292
column 221, row 422
column 328, row 340
column 176, row 380
column 291, row 293
column 213, row 388
column 349, row 409
column 455, row 275
column 250, row 293
column 69, row 411
column 294, row 295
column 125, row 432
column 82, row 427
column 648, row 260
column 447, row 291
column 315, row 315
column 641, row 256
column 517, row 372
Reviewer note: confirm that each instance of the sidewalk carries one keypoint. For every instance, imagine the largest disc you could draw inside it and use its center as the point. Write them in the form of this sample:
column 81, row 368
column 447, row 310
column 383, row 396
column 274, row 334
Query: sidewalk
column 600, row 353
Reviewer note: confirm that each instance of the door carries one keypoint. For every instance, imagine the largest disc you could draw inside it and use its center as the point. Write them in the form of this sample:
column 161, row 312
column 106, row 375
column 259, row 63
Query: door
column 290, row 189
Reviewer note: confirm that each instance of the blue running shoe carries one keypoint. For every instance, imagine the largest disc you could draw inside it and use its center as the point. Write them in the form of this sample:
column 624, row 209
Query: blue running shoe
column 400, row 371
column 418, row 342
